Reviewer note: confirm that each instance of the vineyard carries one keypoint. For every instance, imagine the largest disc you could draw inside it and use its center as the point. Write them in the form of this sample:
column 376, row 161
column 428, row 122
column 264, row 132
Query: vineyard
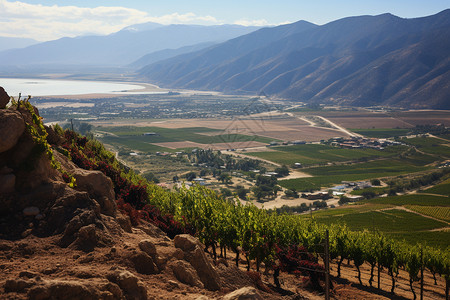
column 259, row 236
column 441, row 213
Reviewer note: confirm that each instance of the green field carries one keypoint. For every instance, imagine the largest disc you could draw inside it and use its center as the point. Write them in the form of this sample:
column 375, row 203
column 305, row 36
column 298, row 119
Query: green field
column 437, row 239
column 396, row 223
column 440, row 189
column 382, row 133
column 438, row 212
column 134, row 138
column 430, row 145
column 320, row 154
column 329, row 175
column 413, row 199
column 393, row 220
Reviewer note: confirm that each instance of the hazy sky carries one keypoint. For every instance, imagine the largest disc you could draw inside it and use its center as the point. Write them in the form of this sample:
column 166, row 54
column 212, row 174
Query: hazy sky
column 51, row 19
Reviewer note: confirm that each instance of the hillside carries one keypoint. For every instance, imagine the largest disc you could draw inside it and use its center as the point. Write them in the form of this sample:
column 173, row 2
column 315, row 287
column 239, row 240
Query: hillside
column 361, row 61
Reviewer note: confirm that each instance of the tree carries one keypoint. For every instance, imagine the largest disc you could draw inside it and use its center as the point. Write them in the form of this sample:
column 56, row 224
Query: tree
column 291, row 193
column 151, row 177
column 375, row 182
column 190, row 176
column 242, row 193
column 282, row 171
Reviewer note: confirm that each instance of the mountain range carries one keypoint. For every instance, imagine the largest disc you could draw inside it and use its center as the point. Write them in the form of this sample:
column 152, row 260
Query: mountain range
column 362, row 61
column 120, row 48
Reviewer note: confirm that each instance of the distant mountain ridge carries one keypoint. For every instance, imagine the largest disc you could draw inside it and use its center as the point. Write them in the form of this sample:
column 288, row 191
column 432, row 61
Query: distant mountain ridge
column 363, row 61
column 7, row 43
column 120, row 48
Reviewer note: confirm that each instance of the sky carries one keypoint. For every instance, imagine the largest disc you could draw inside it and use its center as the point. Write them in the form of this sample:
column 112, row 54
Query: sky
column 52, row 19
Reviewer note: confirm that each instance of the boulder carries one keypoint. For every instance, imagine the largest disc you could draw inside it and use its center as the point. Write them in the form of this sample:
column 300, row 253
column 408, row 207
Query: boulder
column 194, row 254
column 4, row 98
column 99, row 187
column 129, row 283
column 186, row 242
column 185, row 273
column 12, row 127
column 205, row 270
column 143, row 263
column 86, row 239
column 58, row 289
column 17, row 285
column 245, row 293
column 148, row 247
column 124, row 222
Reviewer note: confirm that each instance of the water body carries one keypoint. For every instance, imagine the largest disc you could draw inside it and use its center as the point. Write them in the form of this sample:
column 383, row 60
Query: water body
column 56, row 87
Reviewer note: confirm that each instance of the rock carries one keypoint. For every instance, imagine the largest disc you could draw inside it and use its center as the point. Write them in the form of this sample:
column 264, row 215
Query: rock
column 28, row 274
column 143, row 263
column 58, row 289
column 8, row 183
column 99, row 187
column 17, row 285
column 12, row 127
column 31, row 211
column 196, row 257
column 205, row 270
column 87, row 259
column 4, row 98
column 86, row 239
column 148, row 247
column 186, row 242
column 52, row 137
column 124, row 222
column 129, row 283
column 245, row 293
column 185, row 273
column 39, row 217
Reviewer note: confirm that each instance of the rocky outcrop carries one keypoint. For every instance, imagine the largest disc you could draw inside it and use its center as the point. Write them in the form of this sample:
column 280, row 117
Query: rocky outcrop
column 194, row 254
column 143, row 263
column 185, row 273
column 245, row 293
column 12, row 126
column 132, row 287
column 99, row 187
column 34, row 199
column 4, row 98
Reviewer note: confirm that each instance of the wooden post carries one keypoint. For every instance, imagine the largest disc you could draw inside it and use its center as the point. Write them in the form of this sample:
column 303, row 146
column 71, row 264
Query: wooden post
column 327, row 266
column 421, row 274
column 71, row 123
column 378, row 275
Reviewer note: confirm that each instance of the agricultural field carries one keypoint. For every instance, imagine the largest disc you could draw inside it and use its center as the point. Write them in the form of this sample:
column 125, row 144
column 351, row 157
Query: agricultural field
column 310, row 154
column 362, row 119
column 438, row 212
column 152, row 139
column 326, row 176
column 390, row 218
column 440, row 189
column 430, row 145
column 382, row 133
column 414, row 199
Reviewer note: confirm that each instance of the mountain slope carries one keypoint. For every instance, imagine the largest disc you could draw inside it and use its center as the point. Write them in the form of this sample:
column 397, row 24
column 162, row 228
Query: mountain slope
column 333, row 63
column 7, row 43
column 122, row 47
column 166, row 54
